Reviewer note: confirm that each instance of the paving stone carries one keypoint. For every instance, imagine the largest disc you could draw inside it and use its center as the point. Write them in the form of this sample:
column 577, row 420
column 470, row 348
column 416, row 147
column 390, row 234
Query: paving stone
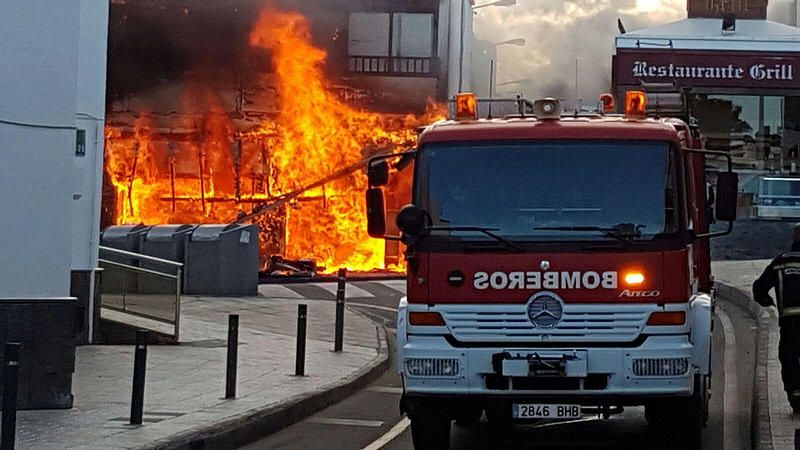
column 185, row 383
column 778, row 417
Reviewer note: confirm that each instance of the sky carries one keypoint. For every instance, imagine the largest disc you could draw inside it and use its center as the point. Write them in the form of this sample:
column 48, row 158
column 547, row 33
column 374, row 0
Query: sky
column 557, row 32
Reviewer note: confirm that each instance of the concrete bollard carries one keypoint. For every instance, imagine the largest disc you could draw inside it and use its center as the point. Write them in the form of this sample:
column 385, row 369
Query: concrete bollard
column 233, row 356
column 10, row 372
column 300, row 354
column 340, row 295
column 139, row 370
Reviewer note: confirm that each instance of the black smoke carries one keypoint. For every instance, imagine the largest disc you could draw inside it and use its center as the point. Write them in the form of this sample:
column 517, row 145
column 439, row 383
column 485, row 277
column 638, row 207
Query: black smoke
column 152, row 42
column 155, row 41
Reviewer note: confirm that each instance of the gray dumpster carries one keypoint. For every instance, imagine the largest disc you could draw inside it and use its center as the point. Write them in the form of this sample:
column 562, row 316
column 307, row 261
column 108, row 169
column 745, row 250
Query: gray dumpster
column 164, row 242
column 127, row 238
column 222, row 260
column 123, row 237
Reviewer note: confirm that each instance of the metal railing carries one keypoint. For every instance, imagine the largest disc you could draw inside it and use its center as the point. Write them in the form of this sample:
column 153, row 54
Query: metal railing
column 142, row 286
column 394, row 66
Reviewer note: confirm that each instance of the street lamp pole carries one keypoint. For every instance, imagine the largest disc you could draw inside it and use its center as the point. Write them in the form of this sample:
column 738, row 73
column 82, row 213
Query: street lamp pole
column 518, row 42
column 466, row 10
column 511, row 82
column 496, row 3
column 519, row 81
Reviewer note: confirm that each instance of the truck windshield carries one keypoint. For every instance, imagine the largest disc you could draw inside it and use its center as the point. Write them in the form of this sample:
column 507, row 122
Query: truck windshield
column 547, row 190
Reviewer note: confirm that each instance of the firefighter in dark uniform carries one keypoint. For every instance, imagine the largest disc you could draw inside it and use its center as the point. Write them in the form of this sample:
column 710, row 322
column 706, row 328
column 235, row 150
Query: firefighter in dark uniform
column 783, row 274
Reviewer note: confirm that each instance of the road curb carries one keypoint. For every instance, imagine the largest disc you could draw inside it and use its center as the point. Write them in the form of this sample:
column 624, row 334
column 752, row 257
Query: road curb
column 760, row 425
column 247, row 427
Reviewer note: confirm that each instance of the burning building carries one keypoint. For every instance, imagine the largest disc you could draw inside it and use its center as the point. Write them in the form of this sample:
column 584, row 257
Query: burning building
column 224, row 111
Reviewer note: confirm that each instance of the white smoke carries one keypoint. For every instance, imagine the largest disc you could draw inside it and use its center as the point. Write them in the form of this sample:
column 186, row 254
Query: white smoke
column 558, row 32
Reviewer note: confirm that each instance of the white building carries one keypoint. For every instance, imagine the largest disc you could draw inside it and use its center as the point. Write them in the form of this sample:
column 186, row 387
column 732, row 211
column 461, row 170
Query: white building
column 52, row 84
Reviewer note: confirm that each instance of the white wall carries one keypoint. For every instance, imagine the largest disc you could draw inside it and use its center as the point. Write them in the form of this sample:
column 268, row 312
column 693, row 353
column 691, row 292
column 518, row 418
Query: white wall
column 443, row 41
column 88, row 170
column 469, row 35
column 38, row 87
column 455, row 80
column 460, row 48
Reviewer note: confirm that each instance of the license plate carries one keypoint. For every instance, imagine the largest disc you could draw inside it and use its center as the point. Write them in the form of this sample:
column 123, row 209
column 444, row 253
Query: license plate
column 538, row 411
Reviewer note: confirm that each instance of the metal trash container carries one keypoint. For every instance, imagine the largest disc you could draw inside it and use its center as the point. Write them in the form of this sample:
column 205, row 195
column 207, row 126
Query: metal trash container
column 127, row 238
column 164, row 242
column 123, row 237
column 222, row 260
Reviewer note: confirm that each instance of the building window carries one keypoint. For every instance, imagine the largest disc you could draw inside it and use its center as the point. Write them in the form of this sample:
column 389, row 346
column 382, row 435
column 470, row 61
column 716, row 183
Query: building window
column 760, row 132
column 413, row 35
column 369, row 34
column 391, row 43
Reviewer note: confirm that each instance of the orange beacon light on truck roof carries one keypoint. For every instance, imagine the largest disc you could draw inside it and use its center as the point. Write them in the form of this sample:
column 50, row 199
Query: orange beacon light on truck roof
column 466, row 106
column 635, row 104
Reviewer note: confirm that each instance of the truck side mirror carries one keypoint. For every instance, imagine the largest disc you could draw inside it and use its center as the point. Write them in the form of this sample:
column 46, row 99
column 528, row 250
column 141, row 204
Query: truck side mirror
column 378, row 172
column 411, row 220
column 727, row 196
column 376, row 214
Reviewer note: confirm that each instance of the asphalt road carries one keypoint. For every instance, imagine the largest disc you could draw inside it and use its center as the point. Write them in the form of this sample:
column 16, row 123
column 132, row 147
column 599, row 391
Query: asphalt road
column 753, row 239
column 370, row 418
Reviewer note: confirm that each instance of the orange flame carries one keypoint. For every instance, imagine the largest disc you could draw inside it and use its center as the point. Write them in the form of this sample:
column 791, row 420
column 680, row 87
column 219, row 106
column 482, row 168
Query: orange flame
column 213, row 176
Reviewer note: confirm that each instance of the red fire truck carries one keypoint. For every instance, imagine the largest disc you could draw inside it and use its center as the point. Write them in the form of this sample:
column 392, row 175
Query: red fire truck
column 558, row 265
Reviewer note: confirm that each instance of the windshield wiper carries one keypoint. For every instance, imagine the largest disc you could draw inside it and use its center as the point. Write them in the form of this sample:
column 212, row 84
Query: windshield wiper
column 624, row 232
column 484, row 230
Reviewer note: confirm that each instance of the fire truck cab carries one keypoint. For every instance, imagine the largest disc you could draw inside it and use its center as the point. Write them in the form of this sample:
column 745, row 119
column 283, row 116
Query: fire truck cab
column 558, row 265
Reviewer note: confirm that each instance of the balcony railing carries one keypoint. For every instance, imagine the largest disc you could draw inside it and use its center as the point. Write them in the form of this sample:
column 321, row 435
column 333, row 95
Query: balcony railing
column 394, row 66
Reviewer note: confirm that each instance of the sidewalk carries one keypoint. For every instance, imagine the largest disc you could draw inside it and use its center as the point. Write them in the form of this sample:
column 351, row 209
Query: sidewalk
column 185, row 383
column 774, row 423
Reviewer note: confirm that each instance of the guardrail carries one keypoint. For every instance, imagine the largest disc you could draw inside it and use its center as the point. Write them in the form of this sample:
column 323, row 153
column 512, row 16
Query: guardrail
column 144, row 287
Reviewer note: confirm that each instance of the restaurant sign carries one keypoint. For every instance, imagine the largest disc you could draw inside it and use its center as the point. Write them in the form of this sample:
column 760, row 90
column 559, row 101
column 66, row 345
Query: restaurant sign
column 729, row 69
column 742, row 9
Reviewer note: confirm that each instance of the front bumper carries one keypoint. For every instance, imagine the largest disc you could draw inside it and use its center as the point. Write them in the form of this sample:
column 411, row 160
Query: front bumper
column 589, row 373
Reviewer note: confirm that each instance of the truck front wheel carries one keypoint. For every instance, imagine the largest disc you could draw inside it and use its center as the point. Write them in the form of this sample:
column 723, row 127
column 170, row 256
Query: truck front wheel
column 469, row 415
column 688, row 414
column 430, row 428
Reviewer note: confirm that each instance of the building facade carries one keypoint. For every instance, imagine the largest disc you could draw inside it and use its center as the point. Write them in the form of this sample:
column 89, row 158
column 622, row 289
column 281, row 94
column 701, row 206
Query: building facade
column 741, row 74
column 51, row 114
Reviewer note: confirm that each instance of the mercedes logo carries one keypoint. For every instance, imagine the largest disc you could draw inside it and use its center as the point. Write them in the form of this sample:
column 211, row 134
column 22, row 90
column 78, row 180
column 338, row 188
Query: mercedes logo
column 545, row 265
column 545, row 310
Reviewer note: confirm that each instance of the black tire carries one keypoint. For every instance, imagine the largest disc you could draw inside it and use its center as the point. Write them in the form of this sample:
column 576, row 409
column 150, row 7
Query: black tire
column 687, row 415
column 430, row 429
column 705, row 389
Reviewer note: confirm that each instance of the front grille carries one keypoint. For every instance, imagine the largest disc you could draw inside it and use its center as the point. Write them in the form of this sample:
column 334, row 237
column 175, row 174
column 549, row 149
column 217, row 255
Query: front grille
column 660, row 367
column 432, row 367
column 581, row 322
